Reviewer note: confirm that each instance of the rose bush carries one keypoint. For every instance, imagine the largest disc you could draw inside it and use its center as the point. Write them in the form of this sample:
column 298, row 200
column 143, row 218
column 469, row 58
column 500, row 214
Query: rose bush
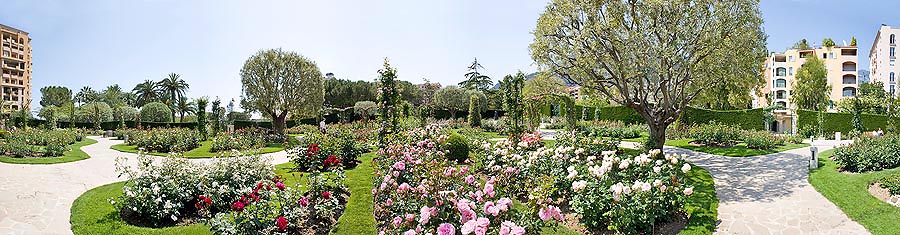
column 164, row 140
column 31, row 142
column 165, row 192
column 418, row 191
column 314, row 151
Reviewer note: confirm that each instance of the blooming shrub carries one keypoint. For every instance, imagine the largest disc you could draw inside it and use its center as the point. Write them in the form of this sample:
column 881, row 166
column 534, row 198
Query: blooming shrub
column 165, row 140
column 164, row 192
column 869, row 154
column 891, row 183
column 273, row 208
column 238, row 140
column 762, row 140
column 418, row 192
column 625, row 194
column 316, row 148
column 716, row 134
column 492, row 125
column 32, row 142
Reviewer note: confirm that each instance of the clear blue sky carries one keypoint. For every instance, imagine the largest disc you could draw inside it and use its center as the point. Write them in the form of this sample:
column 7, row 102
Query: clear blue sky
column 97, row 43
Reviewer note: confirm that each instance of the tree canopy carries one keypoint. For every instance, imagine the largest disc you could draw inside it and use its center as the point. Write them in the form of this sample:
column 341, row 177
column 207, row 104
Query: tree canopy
column 55, row 96
column 657, row 55
column 811, row 85
column 279, row 83
column 801, row 45
column 544, row 84
column 475, row 80
column 453, row 99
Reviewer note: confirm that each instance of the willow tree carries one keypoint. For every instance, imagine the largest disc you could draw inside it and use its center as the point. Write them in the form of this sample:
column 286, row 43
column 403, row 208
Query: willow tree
column 280, row 83
column 654, row 57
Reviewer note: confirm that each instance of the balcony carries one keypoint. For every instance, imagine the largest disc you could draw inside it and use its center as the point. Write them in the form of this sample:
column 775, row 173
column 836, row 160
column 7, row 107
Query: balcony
column 849, row 79
column 848, row 66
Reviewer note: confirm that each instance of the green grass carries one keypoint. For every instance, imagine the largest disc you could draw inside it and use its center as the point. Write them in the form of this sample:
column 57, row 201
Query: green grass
column 92, row 214
column 703, row 205
column 738, row 150
column 850, row 193
column 74, row 154
column 199, row 152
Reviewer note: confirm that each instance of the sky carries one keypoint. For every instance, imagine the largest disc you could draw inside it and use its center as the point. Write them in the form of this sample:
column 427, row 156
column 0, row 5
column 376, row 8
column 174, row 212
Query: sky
column 102, row 42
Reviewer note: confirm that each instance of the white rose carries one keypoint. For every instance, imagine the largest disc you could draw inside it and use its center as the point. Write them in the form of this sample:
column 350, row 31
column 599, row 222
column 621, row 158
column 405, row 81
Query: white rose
column 685, row 168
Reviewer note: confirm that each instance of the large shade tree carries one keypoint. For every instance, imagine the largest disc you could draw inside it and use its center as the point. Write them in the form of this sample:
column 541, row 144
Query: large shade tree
column 475, row 80
column 654, row 57
column 452, row 99
column 87, row 95
column 279, row 83
column 55, row 96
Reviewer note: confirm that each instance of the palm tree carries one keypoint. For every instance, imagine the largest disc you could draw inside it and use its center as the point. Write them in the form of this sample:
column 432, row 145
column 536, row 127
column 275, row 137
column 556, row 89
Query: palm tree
column 174, row 88
column 185, row 107
column 86, row 95
column 145, row 92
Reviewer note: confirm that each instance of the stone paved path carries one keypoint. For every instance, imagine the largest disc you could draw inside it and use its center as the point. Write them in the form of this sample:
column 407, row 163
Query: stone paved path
column 770, row 194
column 37, row 199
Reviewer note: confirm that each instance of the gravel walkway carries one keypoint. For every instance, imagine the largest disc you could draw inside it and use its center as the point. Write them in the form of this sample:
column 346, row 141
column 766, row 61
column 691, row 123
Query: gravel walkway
column 37, row 199
column 770, row 194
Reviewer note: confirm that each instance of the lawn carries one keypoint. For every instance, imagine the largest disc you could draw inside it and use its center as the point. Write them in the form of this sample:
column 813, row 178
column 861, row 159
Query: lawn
column 199, row 152
column 738, row 150
column 850, row 193
column 93, row 214
column 74, row 154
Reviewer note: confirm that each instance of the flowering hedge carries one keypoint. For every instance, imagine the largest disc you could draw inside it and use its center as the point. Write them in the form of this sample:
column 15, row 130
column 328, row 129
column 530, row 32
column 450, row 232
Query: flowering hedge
column 418, row 191
column 32, row 142
column 869, row 154
column 165, row 192
column 164, row 140
column 619, row 193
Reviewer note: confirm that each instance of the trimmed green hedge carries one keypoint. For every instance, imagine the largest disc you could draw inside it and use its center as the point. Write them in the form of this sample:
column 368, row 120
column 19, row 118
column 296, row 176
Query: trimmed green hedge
column 747, row 119
column 839, row 122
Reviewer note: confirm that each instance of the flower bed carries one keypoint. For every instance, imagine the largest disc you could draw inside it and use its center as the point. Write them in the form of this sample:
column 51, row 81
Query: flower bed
column 417, row 190
column 28, row 143
column 318, row 151
column 609, row 192
column 162, row 140
column 869, row 154
column 244, row 139
column 891, row 183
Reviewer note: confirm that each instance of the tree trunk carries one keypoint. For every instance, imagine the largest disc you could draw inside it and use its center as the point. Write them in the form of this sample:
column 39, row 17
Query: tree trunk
column 453, row 114
column 657, row 135
column 278, row 122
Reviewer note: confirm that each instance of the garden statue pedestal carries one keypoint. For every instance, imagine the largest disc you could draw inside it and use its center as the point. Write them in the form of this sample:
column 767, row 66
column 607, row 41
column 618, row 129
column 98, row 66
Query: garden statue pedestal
column 837, row 136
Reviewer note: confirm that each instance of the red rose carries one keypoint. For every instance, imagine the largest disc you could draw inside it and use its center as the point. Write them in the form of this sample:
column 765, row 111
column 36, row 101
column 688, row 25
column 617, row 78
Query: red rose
column 238, row 206
column 281, row 223
column 326, row 195
column 207, row 200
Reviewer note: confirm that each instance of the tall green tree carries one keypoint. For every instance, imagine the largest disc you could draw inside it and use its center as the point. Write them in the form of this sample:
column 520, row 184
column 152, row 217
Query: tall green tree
column 388, row 101
column 201, row 116
column 656, row 55
column 55, row 96
column 86, row 95
column 452, row 99
column 216, row 117
column 828, row 42
column 801, row 45
column 811, row 87
column 475, row 80
column 279, row 83
column 184, row 107
column 474, row 111
column 544, row 85
column 145, row 93
column 365, row 109
column 114, row 96
column 173, row 88
column 511, row 88
column 852, row 41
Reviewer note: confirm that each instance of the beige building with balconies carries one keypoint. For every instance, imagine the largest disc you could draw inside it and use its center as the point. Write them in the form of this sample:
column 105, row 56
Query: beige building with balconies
column 15, row 63
column 781, row 70
column 883, row 58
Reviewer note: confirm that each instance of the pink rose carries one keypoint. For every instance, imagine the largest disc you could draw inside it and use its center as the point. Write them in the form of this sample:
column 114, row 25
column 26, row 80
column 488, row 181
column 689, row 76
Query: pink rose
column 399, row 166
column 304, row 202
column 410, row 232
column 446, row 229
column 279, row 185
column 504, row 203
column 510, row 228
column 396, row 222
column 490, row 208
column 470, row 179
column 389, row 202
column 489, row 190
column 425, row 214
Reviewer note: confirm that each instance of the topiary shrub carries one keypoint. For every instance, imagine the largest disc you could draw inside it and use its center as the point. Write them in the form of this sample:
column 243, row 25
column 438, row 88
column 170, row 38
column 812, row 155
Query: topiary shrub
column 457, row 148
column 156, row 112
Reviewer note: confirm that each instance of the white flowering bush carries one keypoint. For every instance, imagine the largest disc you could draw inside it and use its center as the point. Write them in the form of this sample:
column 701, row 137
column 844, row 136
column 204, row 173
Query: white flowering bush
column 627, row 194
column 162, row 192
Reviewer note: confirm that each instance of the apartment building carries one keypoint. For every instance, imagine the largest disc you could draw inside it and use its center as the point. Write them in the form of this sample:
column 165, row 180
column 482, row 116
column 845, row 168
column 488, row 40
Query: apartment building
column 780, row 75
column 883, row 58
column 15, row 63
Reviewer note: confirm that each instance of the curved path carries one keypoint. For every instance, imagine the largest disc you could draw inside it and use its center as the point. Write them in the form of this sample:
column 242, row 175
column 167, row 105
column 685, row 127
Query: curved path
column 37, row 199
column 770, row 194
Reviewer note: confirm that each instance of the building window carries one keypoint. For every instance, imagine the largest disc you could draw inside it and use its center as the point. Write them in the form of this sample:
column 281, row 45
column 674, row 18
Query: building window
column 824, row 56
column 893, row 39
column 892, row 77
column 780, row 71
column 892, row 90
column 790, row 70
column 831, row 55
column 791, row 58
column 780, row 83
column 849, row 92
column 780, row 95
column 849, row 79
column 892, row 52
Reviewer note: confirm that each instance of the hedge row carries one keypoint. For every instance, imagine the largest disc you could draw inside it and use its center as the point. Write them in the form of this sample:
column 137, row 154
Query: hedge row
column 839, row 122
column 748, row 119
